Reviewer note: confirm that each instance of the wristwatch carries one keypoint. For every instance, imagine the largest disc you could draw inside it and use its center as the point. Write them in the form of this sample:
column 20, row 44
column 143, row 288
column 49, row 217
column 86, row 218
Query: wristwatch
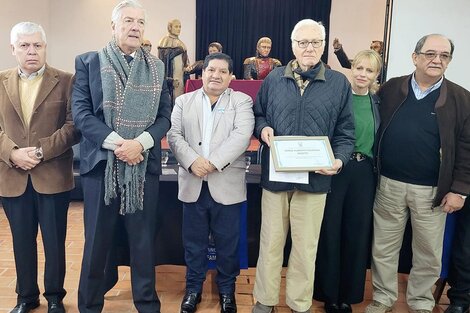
column 38, row 153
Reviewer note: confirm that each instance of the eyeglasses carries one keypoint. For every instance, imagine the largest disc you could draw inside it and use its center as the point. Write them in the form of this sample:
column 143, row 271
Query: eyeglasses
column 430, row 55
column 304, row 43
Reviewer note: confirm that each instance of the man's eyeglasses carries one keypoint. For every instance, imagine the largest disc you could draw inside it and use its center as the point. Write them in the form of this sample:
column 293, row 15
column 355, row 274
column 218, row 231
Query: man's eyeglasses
column 445, row 57
column 304, row 43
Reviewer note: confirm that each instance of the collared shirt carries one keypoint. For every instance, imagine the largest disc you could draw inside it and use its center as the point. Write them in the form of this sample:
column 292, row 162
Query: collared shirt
column 32, row 75
column 417, row 90
column 208, row 114
column 207, row 122
column 132, row 54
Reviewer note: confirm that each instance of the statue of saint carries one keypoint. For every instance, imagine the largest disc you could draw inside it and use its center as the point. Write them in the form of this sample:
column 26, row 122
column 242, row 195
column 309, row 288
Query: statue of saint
column 173, row 53
column 259, row 66
column 147, row 45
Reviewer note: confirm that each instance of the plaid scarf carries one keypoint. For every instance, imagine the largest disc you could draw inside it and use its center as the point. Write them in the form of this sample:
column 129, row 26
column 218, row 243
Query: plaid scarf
column 304, row 78
column 131, row 95
column 299, row 79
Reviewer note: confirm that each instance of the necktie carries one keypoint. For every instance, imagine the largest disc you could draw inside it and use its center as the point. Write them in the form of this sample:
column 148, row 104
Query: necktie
column 128, row 58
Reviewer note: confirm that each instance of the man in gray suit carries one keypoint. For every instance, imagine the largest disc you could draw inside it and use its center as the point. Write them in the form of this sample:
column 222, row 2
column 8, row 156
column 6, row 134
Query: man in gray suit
column 211, row 129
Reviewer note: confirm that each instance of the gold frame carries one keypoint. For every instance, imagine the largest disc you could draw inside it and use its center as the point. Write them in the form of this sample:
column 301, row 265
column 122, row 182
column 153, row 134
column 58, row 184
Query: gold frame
column 277, row 163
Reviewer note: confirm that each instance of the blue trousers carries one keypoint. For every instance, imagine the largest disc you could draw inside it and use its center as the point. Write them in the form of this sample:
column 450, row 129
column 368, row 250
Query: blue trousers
column 223, row 221
column 459, row 272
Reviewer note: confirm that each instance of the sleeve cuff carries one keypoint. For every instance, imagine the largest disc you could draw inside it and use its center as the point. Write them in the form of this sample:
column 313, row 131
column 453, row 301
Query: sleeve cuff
column 146, row 140
column 109, row 142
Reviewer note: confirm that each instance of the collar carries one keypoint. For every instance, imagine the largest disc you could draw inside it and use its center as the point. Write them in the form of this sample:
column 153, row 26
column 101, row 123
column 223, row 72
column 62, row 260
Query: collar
column 132, row 54
column 292, row 65
column 415, row 85
column 206, row 96
column 32, row 75
column 358, row 94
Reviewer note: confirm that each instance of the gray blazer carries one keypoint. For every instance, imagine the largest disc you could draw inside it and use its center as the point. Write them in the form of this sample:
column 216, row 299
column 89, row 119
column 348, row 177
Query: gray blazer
column 231, row 133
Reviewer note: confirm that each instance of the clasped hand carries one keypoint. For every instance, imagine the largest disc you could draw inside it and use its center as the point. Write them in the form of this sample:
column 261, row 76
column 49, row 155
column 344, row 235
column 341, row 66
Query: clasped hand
column 24, row 158
column 201, row 167
column 129, row 151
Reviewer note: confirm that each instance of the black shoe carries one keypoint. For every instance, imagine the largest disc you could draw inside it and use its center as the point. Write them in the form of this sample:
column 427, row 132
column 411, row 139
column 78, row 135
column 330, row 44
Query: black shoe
column 345, row 308
column 227, row 303
column 24, row 307
column 55, row 307
column 456, row 308
column 332, row 308
column 190, row 301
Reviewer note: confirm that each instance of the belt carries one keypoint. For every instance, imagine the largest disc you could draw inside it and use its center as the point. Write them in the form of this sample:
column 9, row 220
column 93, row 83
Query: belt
column 358, row 156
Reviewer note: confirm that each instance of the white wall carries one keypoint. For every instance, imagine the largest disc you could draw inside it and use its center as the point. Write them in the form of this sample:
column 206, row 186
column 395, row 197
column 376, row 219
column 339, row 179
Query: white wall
column 37, row 10
column 355, row 23
column 413, row 19
column 77, row 26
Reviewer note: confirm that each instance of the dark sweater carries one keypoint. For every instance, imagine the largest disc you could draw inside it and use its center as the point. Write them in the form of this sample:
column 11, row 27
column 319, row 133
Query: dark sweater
column 411, row 143
column 453, row 118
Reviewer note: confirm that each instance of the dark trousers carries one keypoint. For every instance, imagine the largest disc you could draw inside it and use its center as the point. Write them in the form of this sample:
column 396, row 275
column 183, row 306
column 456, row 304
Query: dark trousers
column 223, row 222
column 459, row 272
column 100, row 222
column 24, row 214
column 345, row 238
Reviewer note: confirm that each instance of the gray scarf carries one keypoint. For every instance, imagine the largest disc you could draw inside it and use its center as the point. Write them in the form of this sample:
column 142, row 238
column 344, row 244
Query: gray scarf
column 131, row 94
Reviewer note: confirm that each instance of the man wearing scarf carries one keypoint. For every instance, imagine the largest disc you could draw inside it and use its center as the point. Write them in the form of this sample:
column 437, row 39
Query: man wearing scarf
column 122, row 107
column 300, row 99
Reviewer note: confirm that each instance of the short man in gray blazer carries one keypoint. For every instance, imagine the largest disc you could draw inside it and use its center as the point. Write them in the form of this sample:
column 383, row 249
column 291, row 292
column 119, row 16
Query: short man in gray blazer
column 211, row 129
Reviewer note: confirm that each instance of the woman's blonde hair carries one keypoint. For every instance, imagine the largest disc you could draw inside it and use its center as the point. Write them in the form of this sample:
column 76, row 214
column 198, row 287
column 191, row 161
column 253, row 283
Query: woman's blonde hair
column 374, row 59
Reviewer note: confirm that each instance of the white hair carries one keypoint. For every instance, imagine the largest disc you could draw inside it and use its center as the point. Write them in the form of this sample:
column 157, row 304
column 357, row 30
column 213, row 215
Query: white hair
column 310, row 23
column 116, row 15
column 26, row 28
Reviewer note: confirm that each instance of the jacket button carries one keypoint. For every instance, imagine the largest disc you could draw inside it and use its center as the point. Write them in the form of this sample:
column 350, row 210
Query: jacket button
column 200, row 143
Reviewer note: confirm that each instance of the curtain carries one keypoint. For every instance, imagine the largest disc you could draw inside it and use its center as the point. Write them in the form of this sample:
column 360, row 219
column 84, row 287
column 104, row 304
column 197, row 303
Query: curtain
column 238, row 24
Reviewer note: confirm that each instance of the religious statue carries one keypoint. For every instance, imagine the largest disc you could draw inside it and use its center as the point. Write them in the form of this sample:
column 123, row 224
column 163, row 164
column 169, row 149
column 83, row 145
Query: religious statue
column 147, row 45
column 259, row 66
column 172, row 51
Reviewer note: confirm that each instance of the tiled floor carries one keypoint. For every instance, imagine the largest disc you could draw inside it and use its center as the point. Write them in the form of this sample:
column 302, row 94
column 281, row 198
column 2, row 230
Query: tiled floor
column 170, row 280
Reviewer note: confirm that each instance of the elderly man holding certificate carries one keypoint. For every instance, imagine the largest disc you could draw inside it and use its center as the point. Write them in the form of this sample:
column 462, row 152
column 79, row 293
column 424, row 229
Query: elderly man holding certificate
column 301, row 99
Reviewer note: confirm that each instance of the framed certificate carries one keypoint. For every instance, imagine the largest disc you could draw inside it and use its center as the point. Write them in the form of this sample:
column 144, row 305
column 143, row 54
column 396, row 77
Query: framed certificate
column 301, row 153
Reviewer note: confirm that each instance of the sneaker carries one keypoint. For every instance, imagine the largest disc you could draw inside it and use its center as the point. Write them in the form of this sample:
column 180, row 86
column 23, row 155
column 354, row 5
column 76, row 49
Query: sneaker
column 261, row 308
column 377, row 307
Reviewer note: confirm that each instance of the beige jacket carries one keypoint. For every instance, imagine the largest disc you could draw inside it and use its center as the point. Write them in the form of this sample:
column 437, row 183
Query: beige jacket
column 231, row 133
